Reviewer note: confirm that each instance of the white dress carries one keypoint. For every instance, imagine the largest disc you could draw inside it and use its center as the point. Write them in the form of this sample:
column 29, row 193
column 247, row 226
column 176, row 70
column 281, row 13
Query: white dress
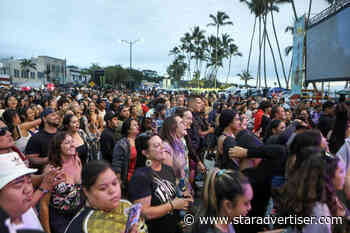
column 22, row 142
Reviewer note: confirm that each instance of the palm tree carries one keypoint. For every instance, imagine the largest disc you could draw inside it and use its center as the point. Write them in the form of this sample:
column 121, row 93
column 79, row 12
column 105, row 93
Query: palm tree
column 198, row 38
column 188, row 48
column 232, row 51
column 27, row 63
column 221, row 19
column 245, row 76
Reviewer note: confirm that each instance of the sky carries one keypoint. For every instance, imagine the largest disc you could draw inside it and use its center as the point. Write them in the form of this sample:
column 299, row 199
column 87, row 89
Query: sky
column 90, row 31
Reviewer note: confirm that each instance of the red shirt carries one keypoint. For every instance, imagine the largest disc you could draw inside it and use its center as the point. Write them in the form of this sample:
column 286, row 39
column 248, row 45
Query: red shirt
column 132, row 162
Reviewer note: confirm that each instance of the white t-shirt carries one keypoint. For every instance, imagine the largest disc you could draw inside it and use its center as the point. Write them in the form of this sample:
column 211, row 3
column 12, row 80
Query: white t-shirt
column 30, row 221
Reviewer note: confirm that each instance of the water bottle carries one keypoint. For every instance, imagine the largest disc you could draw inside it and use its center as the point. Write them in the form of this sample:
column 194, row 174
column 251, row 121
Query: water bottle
column 181, row 189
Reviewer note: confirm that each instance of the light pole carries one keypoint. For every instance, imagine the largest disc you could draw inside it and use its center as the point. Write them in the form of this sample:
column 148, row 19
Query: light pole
column 130, row 43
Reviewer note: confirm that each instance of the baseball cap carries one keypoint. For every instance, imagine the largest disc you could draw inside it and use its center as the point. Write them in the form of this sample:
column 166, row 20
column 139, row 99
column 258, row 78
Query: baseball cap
column 12, row 167
column 109, row 115
column 47, row 111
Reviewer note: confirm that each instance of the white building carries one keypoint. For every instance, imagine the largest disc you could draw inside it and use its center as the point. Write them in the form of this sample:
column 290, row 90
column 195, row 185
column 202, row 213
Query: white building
column 47, row 69
column 77, row 75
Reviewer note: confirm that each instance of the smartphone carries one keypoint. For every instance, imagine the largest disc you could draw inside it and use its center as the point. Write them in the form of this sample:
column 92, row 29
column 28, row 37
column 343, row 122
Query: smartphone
column 133, row 218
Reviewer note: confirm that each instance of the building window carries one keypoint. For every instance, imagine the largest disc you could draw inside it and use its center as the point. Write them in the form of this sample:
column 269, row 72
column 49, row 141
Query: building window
column 32, row 75
column 40, row 75
column 16, row 73
column 48, row 67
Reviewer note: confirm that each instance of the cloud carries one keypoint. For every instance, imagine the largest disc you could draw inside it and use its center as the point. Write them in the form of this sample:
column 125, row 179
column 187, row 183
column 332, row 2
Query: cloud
column 86, row 32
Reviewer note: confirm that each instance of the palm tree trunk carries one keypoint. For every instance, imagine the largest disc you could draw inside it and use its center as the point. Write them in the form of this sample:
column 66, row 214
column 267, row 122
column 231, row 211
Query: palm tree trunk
column 294, row 10
column 229, row 69
column 259, row 63
column 274, row 60
column 264, row 41
column 216, row 52
column 279, row 49
column 251, row 45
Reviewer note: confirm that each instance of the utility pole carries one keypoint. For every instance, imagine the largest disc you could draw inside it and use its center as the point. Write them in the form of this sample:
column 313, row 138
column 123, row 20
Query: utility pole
column 130, row 43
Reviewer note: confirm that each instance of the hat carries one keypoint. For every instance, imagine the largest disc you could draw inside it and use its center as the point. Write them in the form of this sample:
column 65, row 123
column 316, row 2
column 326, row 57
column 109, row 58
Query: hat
column 110, row 115
column 47, row 111
column 12, row 167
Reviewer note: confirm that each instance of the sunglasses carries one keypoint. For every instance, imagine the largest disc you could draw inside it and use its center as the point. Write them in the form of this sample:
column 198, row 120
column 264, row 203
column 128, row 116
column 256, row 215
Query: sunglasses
column 3, row 131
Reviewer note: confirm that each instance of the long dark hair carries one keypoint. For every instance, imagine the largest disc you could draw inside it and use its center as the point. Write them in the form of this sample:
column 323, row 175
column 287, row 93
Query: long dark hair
column 311, row 184
column 126, row 126
column 55, row 148
column 142, row 143
column 273, row 125
column 8, row 116
column 342, row 116
column 168, row 130
column 66, row 121
column 91, row 172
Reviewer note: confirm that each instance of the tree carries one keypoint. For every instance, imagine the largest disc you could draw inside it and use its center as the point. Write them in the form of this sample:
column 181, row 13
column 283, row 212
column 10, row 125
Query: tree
column 221, row 19
column 245, row 76
column 177, row 69
column 232, row 51
column 26, row 65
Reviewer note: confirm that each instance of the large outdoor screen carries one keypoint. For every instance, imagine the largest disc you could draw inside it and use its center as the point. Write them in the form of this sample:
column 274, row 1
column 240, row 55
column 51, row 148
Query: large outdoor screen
column 328, row 49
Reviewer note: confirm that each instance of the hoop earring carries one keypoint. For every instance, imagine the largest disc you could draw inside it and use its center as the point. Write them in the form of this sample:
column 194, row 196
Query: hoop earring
column 148, row 163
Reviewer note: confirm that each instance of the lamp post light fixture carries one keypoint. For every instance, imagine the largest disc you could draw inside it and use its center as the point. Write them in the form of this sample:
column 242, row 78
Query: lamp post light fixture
column 130, row 43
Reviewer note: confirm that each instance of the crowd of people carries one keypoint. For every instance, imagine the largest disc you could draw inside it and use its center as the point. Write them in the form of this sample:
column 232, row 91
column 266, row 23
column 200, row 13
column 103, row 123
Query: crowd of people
column 78, row 160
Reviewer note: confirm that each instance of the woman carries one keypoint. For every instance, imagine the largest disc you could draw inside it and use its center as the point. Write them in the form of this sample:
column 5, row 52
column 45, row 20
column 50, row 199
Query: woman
column 341, row 128
column 11, row 102
column 95, row 122
column 172, row 132
column 124, row 153
column 72, row 126
column 154, row 186
column 275, row 128
column 104, row 210
column 311, row 192
column 227, row 194
column 66, row 199
column 27, row 115
column 229, row 126
column 19, row 130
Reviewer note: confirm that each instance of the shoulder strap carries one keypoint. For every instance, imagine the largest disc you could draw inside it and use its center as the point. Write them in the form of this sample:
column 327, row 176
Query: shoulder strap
column 19, row 131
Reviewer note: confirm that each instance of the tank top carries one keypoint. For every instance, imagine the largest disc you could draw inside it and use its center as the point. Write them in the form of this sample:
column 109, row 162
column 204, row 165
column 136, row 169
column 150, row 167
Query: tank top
column 21, row 143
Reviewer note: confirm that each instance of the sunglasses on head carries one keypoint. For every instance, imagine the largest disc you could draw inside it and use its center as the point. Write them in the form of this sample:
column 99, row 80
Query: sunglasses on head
column 3, row 131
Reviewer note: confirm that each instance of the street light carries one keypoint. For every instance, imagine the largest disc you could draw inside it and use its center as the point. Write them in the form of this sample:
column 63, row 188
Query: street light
column 130, row 43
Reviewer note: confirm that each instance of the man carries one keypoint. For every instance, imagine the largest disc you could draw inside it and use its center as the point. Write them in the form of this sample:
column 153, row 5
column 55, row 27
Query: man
column 195, row 134
column 250, row 113
column 123, row 114
column 108, row 136
column 116, row 102
column 326, row 120
column 101, row 106
column 45, row 182
column 38, row 145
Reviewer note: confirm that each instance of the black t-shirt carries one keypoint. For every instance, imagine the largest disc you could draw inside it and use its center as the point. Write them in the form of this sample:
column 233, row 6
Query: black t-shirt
column 39, row 143
column 161, row 186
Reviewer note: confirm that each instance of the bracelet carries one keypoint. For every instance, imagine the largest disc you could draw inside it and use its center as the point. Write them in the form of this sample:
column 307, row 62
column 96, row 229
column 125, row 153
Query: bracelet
column 43, row 190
